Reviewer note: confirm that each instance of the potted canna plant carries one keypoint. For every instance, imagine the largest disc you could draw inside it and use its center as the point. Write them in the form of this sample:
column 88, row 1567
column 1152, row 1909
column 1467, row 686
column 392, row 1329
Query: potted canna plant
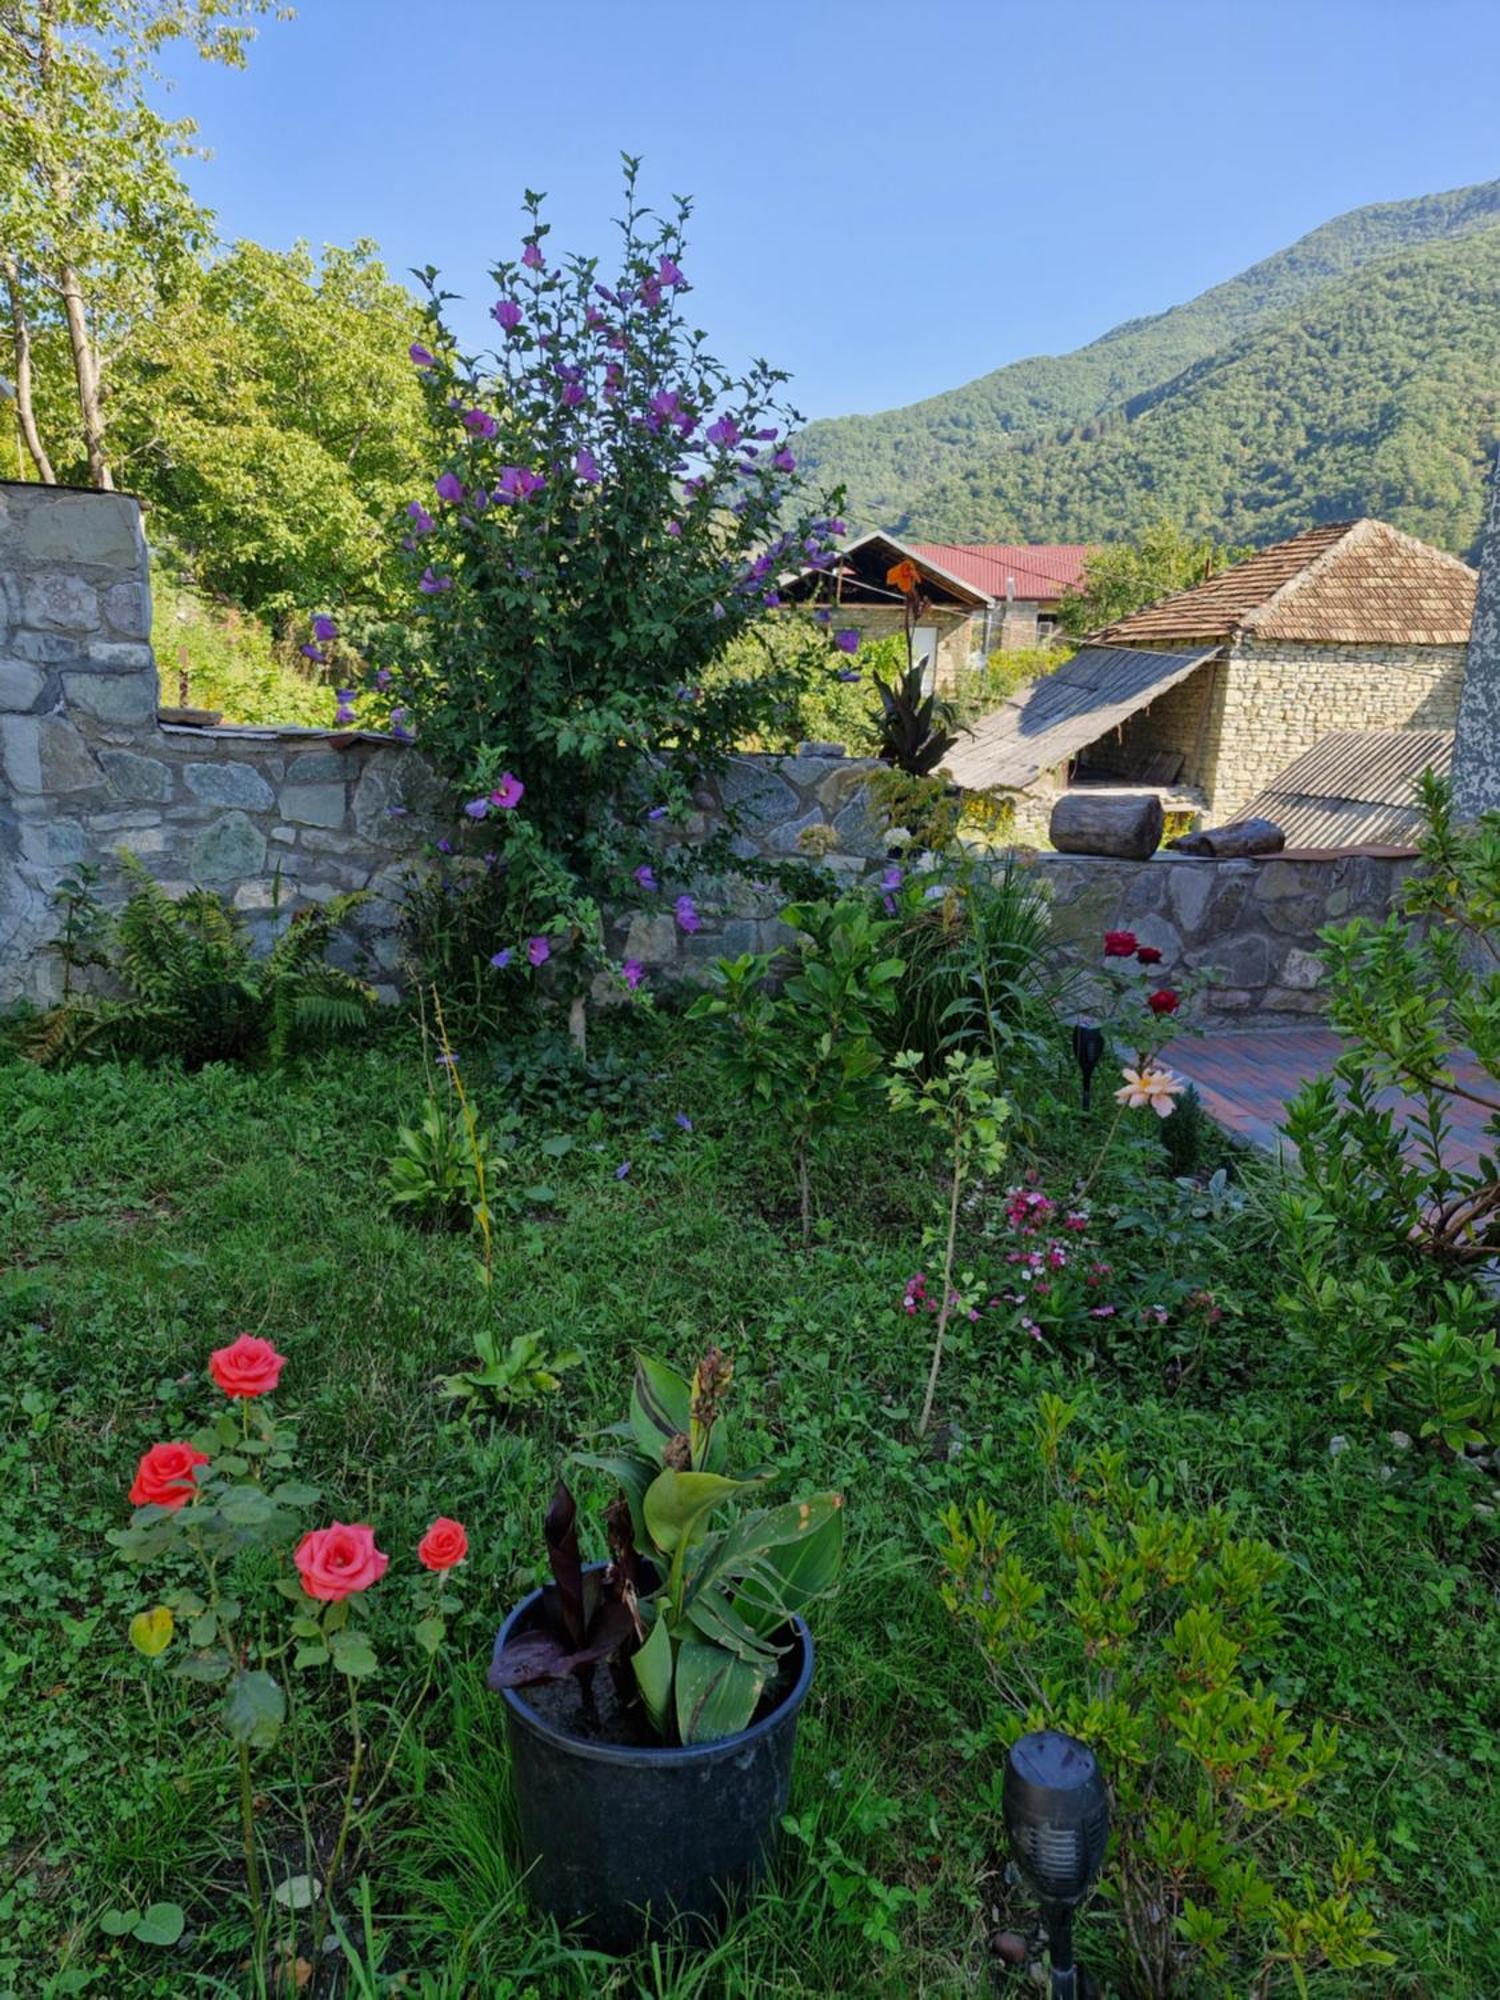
column 652, row 1700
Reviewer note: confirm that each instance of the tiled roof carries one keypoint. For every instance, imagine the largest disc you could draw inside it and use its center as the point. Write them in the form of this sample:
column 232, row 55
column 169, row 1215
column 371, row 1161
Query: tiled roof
column 1354, row 786
column 1346, row 582
column 1062, row 713
column 1042, row 570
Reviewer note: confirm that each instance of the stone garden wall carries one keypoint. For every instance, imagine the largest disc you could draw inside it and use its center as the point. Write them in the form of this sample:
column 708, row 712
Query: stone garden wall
column 276, row 819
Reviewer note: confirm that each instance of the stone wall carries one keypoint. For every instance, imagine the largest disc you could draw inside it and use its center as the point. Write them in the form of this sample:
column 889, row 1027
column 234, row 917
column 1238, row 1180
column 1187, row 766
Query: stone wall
column 1273, row 701
column 275, row 819
column 279, row 819
column 1255, row 923
column 959, row 634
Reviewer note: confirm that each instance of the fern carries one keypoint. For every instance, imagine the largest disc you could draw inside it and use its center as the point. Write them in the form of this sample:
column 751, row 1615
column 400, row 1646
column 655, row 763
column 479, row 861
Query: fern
column 193, row 989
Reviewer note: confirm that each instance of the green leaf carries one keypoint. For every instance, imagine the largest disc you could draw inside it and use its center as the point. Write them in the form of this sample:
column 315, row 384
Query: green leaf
column 254, row 1710
column 151, row 1631
column 660, row 1406
column 678, row 1502
column 716, row 1692
column 803, row 1569
column 215, row 1667
column 119, row 1923
column 352, row 1653
column 310, row 1656
column 204, row 1629
column 653, row 1673
column 431, row 1633
column 634, row 1475
column 163, row 1923
column 296, row 1493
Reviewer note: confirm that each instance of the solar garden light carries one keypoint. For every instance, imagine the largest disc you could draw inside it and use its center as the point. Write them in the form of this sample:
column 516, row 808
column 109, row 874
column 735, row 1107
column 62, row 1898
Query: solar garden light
column 1088, row 1048
column 1057, row 1815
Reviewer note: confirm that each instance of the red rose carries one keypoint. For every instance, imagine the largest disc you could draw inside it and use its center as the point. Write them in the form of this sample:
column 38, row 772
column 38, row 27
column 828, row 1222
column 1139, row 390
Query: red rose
column 1148, row 955
column 444, row 1544
column 167, row 1476
column 1119, row 944
column 336, row 1562
column 250, row 1367
column 1165, row 1002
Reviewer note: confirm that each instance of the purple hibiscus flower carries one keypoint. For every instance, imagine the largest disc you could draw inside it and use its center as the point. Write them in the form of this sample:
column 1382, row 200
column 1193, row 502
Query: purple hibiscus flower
column 398, row 726
column 433, row 586
column 538, row 950
column 622, row 1171
column 312, row 652
column 847, row 641
column 448, row 486
column 585, row 467
column 634, row 972
column 420, row 356
column 480, row 423
column 645, row 875
column 507, row 313
column 532, row 257
column 508, row 794
column 892, row 879
column 477, row 808
column 422, row 521
column 725, row 432
column 324, row 627
column 849, row 675
column 685, row 910
column 502, row 958
column 667, row 273
column 681, row 1118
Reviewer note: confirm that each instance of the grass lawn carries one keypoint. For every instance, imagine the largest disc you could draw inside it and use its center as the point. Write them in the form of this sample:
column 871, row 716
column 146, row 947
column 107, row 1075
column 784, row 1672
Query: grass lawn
column 147, row 1217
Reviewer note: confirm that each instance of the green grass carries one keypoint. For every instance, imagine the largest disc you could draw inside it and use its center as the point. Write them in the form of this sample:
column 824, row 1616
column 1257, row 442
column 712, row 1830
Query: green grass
column 146, row 1217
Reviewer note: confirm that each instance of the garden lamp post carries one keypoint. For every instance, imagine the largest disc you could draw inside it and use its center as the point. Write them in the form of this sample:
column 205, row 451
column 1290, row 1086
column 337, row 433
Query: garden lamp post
column 1088, row 1049
column 1057, row 1815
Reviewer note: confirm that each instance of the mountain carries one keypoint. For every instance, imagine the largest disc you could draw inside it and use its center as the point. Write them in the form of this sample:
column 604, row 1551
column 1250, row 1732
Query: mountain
column 1354, row 372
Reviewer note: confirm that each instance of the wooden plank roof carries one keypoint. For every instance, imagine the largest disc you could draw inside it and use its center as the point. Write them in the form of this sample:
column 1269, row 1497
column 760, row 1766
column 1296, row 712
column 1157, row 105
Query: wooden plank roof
column 1063, row 712
column 1344, row 582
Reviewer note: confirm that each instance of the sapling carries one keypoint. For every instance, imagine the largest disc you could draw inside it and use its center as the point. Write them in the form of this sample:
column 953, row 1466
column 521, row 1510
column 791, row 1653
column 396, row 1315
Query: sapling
column 962, row 1102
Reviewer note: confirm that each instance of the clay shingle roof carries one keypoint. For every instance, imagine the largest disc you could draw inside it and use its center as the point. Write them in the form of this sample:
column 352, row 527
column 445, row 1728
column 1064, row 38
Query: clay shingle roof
column 1361, row 583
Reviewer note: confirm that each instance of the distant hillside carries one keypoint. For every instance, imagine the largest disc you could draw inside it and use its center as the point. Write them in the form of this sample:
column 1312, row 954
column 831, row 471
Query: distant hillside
column 1351, row 373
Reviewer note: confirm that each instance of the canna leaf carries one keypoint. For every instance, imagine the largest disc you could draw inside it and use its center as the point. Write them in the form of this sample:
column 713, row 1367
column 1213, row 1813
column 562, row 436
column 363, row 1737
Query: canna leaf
column 677, row 1503
column 634, row 1475
column 543, row 1656
column 561, row 1530
column 660, row 1406
column 720, row 1621
column 653, row 1674
column 716, row 1692
column 798, row 1572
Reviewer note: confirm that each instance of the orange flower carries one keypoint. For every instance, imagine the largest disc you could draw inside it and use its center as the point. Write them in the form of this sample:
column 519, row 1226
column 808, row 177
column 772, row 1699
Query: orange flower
column 904, row 576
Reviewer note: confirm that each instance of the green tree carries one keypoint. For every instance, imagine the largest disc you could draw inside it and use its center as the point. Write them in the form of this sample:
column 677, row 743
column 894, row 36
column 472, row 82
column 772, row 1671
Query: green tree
column 271, row 415
column 98, row 219
column 1122, row 576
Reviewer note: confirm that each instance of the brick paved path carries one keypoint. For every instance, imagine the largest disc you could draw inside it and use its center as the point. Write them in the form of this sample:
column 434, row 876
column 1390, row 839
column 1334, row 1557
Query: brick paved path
column 1245, row 1082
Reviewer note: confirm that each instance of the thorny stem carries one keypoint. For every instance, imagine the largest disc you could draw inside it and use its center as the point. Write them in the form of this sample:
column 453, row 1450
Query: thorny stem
column 947, row 1305
column 252, row 1861
column 356, row 1764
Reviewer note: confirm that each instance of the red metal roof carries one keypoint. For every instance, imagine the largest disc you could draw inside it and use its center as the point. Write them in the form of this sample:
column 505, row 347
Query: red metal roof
column 1042, row 571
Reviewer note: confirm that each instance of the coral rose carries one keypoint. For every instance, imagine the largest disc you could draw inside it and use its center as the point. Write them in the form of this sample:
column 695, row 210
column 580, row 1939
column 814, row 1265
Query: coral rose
column 336, row 1562
column 444, row 1544
column 167, row 1476
column 248, row 1367
column 1120, row 944
column 1148, row 955
column 1165, row 1002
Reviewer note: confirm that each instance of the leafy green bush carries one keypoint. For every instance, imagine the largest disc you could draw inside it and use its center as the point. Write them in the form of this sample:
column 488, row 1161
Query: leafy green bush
column 217, row 656
column 193, row 989
column 807, row 1052
column 1149, row 1632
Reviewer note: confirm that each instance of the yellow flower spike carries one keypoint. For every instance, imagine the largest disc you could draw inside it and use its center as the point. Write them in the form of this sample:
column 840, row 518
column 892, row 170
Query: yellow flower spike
column 151, row 1631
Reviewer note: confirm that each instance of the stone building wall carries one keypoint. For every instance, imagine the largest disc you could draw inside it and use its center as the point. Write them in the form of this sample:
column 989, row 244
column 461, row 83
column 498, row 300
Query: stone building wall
column 1272, row 701
column 958, row 634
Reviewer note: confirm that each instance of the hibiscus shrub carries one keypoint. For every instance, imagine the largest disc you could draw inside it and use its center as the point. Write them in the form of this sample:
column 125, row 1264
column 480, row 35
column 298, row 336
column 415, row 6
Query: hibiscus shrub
column 615, row 506
column 269, row 1590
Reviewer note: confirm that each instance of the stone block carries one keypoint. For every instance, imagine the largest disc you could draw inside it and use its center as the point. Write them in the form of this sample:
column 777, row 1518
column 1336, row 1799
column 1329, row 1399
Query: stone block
column 318, row 840
column 60, row 602
column 228, row 851
column 132, row 777
column 20, row 686
column 45, row 753
column 320, row 767
column 230, row 785
column 756, row 794
column 651, row 939
column 102, row 530
column 284, row 836
column 314, row 805
column 1301, row 969
column 126, row 658
column 51, row 648
column 127, row 608
column 1243, row 960
column 53, row 842
column 261, row 894
column 125, row 701
column 787, row 838
column 1189, row 887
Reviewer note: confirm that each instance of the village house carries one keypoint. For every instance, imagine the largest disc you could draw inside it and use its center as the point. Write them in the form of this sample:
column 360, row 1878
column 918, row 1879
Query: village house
column 976, row 598
column 1208, row 696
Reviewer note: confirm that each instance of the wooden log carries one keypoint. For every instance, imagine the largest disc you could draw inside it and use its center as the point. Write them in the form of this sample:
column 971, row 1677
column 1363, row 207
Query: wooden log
column 1128, row 824
column 1230, row 843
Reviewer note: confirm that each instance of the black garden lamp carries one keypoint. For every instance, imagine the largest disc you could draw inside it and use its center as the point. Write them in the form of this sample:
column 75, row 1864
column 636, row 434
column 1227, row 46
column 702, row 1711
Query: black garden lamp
column 1057, row 1815
column 1088, row 1049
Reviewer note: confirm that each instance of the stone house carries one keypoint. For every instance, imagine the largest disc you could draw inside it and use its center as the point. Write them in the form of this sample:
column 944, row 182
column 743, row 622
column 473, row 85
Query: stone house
column 1207, row 696
column 976, row 597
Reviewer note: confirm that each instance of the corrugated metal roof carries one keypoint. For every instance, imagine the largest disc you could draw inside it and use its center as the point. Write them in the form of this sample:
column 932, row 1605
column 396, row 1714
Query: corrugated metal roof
column 1059, row 715
column 1355, row 582
column 1042, row 571
column 1354, row 786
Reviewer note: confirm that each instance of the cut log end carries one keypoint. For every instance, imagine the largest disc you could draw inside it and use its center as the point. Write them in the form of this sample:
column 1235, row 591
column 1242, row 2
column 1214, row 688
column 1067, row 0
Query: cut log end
column 1128, row 825
column 1229, row 843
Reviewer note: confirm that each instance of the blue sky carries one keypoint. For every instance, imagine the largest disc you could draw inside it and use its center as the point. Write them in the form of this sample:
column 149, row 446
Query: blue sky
column 891, row 198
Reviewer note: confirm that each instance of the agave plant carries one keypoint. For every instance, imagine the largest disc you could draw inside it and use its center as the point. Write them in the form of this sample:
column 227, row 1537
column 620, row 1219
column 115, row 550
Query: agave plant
column 691, row 1617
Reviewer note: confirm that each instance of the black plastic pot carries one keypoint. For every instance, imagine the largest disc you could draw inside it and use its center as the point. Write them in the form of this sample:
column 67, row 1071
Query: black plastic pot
column 629, row 1842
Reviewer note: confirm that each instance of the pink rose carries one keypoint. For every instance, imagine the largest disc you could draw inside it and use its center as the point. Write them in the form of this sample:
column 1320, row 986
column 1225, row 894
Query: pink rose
column 167, row 1476
column 336, row 1562
column 444, row 1544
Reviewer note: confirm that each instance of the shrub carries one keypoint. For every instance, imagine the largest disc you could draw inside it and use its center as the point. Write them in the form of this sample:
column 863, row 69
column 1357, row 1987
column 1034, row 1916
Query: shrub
column 194, row 990
column 1148, row 1633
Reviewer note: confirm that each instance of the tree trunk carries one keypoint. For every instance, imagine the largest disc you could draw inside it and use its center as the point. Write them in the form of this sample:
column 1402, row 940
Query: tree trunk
column 86, row 371
column 1128, row 824
column 1226, row 843
column 21, row 330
